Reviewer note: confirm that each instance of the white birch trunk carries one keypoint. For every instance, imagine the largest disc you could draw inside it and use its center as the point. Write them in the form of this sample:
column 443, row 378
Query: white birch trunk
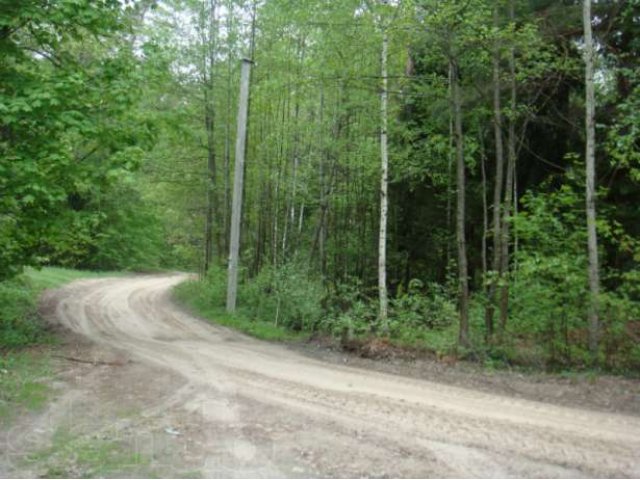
column 384, row 154
column 592, row 235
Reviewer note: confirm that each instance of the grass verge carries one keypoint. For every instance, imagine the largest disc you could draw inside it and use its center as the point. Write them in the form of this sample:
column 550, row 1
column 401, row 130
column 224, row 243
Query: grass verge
column 24, row 359
column 21, row 386
column 52, row 277
column 103, row 455
column 72, row 456
column 196, row 297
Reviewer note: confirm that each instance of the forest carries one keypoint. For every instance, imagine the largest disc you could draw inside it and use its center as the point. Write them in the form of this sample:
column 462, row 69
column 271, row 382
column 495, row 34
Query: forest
column 456, row 177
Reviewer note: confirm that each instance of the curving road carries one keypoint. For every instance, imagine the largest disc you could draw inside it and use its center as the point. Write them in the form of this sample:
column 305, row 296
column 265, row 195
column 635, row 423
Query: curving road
column 345, row 419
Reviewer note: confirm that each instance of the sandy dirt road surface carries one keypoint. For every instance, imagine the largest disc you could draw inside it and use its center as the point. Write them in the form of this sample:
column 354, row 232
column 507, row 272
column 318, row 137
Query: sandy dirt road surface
column 225, row 405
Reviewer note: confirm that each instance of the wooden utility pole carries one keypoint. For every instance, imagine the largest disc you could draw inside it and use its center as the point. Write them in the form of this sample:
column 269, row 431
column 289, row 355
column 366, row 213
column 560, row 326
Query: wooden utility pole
column 384, row 154
column 236, row 207
column 592, row 234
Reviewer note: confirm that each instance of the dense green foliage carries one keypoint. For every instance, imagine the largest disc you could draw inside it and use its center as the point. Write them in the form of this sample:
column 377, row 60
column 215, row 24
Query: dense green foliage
column 311, row 196
column 20, row 324
column 287, row 304
column 71, row 133
column 205, row 298
column 22, row 372
column 117, row 130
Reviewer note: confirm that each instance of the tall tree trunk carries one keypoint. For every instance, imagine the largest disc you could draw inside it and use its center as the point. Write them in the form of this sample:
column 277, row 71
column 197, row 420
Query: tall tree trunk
column 497, row 190
column 290, row 207
column 463, row 274
column 320, row 237
column 281, row 173
column 209, row 120
column 485, row 211
column 384, row 156
column 516, row 238
column 227, row 137
column 211, row 181
column 449, row 181
column 508, row 199
column 592, row 235
column 301, row 218
column 274, row 233
column 263, row 199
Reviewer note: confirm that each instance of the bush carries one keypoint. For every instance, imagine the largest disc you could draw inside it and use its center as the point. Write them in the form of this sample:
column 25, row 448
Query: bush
column 206, row 295
column 418, row 318
column 19, row 323
column 285, row 295
column 430, row 309
column 620, row 336
column 347, row 311
column 207, row 299
column 548, row 299
column 549, row 290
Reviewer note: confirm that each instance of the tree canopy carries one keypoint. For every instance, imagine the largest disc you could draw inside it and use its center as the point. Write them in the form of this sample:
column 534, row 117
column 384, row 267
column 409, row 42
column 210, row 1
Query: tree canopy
column 117, row 130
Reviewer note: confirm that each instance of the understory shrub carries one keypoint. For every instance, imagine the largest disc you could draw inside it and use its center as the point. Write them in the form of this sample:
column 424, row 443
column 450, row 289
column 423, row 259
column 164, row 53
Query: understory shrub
column 19, row 323
column 549, row 296
column 420, row 317
column 348, row 310
column 286, row 295
column 547, row 311
column 620, row 323
column 423, row 308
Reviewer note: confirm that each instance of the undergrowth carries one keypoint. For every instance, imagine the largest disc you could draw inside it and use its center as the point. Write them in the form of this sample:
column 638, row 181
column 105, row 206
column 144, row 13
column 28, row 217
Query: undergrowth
column 544, row 331
column 285, row 304
column 21, row 386
column 19, row 322
column 207, row 303
column 72, row 456
column 24, row 363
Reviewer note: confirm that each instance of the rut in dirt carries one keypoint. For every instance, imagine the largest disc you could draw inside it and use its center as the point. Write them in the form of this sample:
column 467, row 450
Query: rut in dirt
column 439, row 430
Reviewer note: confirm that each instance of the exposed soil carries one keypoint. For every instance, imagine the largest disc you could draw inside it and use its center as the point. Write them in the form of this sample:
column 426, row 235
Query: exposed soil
column 195, row 399
column 607, row 393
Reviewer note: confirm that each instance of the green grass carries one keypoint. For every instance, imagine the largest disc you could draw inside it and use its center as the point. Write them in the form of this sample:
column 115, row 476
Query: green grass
column 19, row 322
column 194, row 296
column 52, row 277
column 72, row 456
column 82, row 456
column 23, row 367
column 21, row 387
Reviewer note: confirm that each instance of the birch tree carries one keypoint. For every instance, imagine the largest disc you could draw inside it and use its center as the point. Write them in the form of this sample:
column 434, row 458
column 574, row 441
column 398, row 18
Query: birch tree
column 592, row 236
column 384, row 173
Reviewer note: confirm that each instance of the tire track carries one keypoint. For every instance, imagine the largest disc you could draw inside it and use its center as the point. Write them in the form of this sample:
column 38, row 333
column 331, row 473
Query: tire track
column 469, row 433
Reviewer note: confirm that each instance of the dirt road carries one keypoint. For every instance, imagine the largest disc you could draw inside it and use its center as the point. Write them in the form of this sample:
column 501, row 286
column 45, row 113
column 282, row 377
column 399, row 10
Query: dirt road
column 234, row 406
